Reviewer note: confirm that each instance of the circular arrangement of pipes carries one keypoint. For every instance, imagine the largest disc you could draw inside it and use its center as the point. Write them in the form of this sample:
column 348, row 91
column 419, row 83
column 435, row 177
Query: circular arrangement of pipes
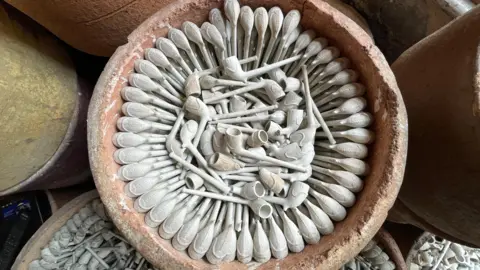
column 223, row 155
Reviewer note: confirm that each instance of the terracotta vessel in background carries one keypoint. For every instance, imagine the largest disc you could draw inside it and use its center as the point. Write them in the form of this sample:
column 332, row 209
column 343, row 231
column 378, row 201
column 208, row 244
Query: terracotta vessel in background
column 388, row 152
column 440, row 81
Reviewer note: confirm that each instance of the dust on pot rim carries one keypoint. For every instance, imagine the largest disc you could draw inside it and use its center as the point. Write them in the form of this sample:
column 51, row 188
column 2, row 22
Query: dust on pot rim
column 388, row 152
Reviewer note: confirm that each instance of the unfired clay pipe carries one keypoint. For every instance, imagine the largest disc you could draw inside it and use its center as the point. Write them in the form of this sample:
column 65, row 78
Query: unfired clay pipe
column 138, row 110
column 347, row 149
column 232, row 11
column 301, row 43
column 331, row 207
column 181, row 41
column 357, row 120
column 307, row 227
column 341, row 194
column 292, row 233
column 245, row 240
column 216, row 18
column 273, row 90
column 297, row 194
column 353, row 165
column 292, row 37
column 202, row 241
column 184, row 237
column 275, row 23
column 149, row 69
column 344, row 178
column 290, row 23
column 158, row 58
column 331, row 69
column 151, row 198
column 136, row 95
column 325, row 56
column 222, row 162
column 357, row 135
column 261, row 24
column 277, row 117
column 320, row 218
column 170, row 50
column 128, row 139
column 132, row 155
column 194, row 34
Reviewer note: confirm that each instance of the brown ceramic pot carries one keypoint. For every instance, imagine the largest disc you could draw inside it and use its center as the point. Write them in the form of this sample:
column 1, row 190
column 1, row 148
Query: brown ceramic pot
column 43, row 109
column 387, row 159
column 386, row 241
column 440, row 80
column 41, row 238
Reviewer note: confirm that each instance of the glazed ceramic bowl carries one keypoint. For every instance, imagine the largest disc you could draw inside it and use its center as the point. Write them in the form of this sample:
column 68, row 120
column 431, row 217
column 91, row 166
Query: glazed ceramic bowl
column 387, row 158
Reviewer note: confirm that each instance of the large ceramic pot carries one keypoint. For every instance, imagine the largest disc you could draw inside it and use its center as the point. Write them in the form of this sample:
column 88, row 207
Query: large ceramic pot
column 44, row 108
column 387, row 159
column 440, row 81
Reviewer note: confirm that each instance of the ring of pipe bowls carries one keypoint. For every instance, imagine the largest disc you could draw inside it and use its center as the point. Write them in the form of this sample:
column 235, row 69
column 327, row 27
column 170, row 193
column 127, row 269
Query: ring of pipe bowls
column 243, row 159
column 245, row 137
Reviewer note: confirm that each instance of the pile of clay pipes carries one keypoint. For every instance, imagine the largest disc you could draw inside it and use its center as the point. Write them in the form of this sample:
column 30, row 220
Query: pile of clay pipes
column 432, row 252
column 371, row 257
column 247, row 158
column 88, row 241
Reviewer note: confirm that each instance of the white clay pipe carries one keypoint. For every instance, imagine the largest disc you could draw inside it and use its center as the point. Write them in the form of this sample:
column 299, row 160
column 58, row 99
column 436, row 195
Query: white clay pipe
column 151, row 198
column 290, row 101
column 194, row 34
column 344, row 178
column 277, row 117
column 232, row 12
column 350, row 106
column 149, row 69
column 289, row 152
column 294, row 120
column 347, row 149
column 224, row 127
column 325, row 56
column 290, row 41
column 205, row 144
column 224, row 245
column 341, row 194
column 216, row 18
column 273, row 90
column 136, row 95
column 170, row 50
column 173, row 223
column 209, row 82
column 202, row 241
column 307, row 227
column 246, row 20
column 245, row 240
column 128, row 139
column 138, row 110
column 132, row 155
column 278, row 242
column 290, row 23
column 181, row 41
column 243, row 113
column 292, row 233
column 135, row 125
column 211, row 34
column 161, row 211
column 353, row 165
column 357, row 120
column 275, row 23
column 312, row 49
column 238, row 217
column 297, row 193
column 184, row 237
column 158, row 58
column 250, row 191
column 273, row 182
column 212, row 181
column 234, row 139
column 222, row 162
column 350, row 90
column 357, row 135
column 331, row 207
column 261, row 245
column 192, row 85
column 331, row 69
column 258, row 206
column 320, row 218
column 243, row 178
column 261, row 24
column 143, row 184
column 341, row 78
column 237, row 104
column 297, row 176
column 301, row 43
column 233, row 68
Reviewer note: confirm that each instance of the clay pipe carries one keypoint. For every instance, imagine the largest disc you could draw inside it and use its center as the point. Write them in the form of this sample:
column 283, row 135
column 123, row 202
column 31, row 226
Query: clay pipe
column 261, row 24
column 320, row 218
column 297, row 176
column 224, row 188
column 258, row 206
column 294, row 120
column 275, row 23
column 357, row 120
column 242, row 113
column 350, row 106
column 132, row 155
column 245, row 240
column 211, row 34
column 181, row 41
column 277, row 117
column 344, row 178
column 331, row 207
column 301, row 43
column 224, row 127
column 307, row 227
column 290, row 40
column 353, row 165
column 218, row 68
column 194, row 34
column 331, row 68
column 290, row 23
column 292, row 233
column 128, row 139
column 232, row 11
column 225, row 243
column 247, row 22
column 158, row 58
column 341, row 78
column 341, row 194
column 350, row 90
column 250, row 191
column 135, row 170
column 325, row 56
column 149, row 69
column 170, row 50
column 216, row 18
column 273, row 90
column 138, row 110
column 273, row 182
column 234, row 140
column 202, row 241
column 135, row 125
column 208, row 82
column 205, row 144
column 357, row 135
column 297, row 194
column 136, row 95
column 154, row 196
column 348, row 149
column 221, row 162
column 187, row 133
column 312, row 49
column 261, row 247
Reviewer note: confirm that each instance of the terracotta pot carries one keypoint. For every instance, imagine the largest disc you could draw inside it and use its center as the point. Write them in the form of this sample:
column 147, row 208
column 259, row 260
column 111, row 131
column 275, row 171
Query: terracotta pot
column 103, row 25
column 44, row 108
column 440, row 80
column 387, row 159
column 386, row 241
column 57, row 198
column 41, row 238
